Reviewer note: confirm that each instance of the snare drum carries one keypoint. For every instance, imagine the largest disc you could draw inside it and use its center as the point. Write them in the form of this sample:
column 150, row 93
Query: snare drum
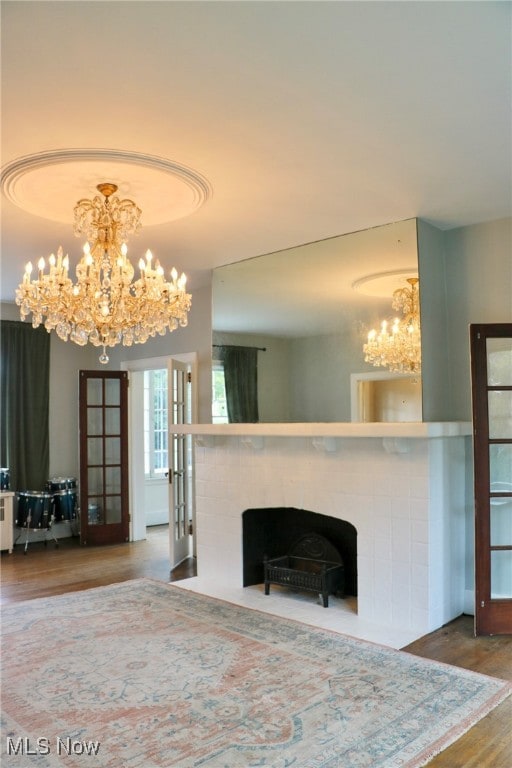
column 5, row 479
column 55, row 484
column 64, row 505
column 33, row 509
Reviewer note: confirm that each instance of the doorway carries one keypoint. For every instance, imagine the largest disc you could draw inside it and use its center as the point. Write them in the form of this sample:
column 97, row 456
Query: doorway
column 491, row 375
column 383, row 396
column 151, row 489
column 104, row 496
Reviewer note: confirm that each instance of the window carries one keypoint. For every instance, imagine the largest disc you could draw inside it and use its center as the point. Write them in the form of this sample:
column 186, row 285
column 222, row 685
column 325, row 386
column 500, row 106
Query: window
column 219, row 405
column 156, row 454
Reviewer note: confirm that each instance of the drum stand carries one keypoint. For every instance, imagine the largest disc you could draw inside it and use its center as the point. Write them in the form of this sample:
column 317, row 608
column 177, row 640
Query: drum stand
column 48, row 530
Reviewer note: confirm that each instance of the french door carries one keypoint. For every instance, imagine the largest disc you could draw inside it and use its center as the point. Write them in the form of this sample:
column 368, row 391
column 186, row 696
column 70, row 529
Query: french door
column 491, row 373
column 180, row 463
column 103, row 422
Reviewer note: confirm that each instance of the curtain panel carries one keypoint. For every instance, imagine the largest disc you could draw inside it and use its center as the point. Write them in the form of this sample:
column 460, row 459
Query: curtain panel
column 241, row 380
column 24, row 403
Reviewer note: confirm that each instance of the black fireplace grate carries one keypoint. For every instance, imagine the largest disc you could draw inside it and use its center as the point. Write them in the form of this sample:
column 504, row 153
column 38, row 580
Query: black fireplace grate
column 313, row 564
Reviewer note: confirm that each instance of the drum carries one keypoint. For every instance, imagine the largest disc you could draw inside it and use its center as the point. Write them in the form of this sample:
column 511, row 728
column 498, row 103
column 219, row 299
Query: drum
column 55, row 484
column 33, row 509
column 5, row 479
column 64, row 505
column 94, row 514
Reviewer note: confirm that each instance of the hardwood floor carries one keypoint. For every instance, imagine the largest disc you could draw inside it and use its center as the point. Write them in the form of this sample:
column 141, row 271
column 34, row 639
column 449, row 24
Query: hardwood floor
column 45, row 571
column 489, row 743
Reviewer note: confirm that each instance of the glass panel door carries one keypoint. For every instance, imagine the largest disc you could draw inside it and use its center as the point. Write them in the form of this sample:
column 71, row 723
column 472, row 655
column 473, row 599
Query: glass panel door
column 179, row 472
column 103, row 457
column 491, row 369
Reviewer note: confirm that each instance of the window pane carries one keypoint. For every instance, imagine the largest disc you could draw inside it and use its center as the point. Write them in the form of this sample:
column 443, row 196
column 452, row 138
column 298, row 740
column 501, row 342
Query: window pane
column 112, row 392
column 499, row 362
column 501, row 522
column 112, row 450
column 155, row 422
column 112, row 421
column 500, row 466
column 219, row 407
column 501, row 574
column 500, row 415
column 113, row 480
column 95, row 481
column 94, row 421
column 94, row 392
column 95, row 450
column 113, row 509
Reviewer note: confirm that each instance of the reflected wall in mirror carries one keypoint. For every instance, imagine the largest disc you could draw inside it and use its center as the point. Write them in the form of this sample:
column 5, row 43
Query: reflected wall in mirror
column 309, row 309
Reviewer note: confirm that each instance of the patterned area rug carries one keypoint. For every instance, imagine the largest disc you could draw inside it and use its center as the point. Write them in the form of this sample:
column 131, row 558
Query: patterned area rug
column 146, row 675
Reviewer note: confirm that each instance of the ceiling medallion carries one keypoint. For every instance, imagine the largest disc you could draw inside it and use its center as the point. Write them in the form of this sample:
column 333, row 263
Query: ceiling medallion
column 383, row 284
column 44, row 183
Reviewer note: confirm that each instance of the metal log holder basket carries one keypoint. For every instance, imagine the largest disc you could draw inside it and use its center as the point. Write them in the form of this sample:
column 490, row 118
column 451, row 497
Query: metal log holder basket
column 313, row 564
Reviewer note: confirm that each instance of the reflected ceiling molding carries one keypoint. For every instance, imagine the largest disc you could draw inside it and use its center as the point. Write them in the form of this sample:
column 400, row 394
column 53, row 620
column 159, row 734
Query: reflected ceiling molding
column 383, row 284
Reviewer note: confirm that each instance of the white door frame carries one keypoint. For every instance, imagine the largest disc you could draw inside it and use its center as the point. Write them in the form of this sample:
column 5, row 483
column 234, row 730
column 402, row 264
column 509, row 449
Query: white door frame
column 135, row 430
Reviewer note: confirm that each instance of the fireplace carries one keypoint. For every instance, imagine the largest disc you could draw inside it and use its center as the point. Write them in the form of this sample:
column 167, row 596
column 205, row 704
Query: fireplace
column 272, row 532
column 393, row 505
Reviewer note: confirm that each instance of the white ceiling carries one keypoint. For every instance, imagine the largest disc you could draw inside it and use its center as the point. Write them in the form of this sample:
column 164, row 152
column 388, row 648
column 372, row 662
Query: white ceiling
column 302, row 120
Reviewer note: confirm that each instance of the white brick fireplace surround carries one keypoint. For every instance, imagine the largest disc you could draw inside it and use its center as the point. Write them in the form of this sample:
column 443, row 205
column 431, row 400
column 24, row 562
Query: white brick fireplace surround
column 403, row 486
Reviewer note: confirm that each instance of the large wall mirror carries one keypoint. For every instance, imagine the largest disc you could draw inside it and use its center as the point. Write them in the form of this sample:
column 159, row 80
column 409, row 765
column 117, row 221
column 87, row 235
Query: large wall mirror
column 308, row 310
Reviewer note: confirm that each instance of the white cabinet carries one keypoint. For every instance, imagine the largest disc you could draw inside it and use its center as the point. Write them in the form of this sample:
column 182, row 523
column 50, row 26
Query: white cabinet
column 6, row 529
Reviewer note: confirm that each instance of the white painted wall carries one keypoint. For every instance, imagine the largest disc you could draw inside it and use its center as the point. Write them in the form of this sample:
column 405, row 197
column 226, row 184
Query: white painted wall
column 465, row 277
column 156, row 502
column 479, row 290
column 479, row 280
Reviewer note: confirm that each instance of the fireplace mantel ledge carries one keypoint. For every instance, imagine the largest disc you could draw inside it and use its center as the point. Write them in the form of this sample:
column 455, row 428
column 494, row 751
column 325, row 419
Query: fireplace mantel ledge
column 420, row 430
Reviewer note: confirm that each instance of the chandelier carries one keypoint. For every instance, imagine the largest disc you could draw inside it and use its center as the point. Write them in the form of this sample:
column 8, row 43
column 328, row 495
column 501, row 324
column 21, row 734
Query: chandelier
column 104, row 307
column 397, row 345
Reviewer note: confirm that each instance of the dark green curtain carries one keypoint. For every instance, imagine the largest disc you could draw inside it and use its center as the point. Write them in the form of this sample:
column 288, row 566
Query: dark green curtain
column 241, row 380
column 24, row 398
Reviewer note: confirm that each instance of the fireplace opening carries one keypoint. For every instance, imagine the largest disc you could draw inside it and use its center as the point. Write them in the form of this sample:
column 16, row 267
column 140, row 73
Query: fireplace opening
column 271, row 532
